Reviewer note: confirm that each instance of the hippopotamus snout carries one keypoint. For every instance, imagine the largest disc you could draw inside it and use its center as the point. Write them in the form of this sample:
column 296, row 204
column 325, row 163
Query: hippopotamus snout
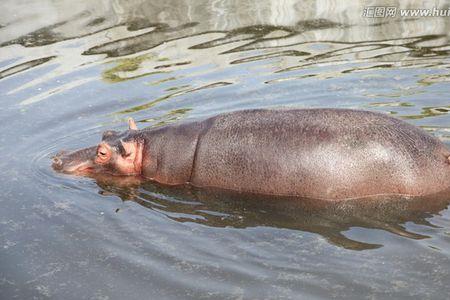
column 81, row 161
column 57, row 160
column 57, row 163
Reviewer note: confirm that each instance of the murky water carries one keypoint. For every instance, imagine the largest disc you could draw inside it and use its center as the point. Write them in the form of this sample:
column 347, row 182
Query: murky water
column 71, row 69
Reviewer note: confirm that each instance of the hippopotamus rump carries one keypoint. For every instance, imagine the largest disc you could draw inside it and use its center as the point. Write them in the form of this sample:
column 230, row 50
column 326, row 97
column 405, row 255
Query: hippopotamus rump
column 331, row 154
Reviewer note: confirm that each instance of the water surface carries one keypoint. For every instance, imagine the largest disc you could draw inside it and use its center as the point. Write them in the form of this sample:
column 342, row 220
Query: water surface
column 70, row 70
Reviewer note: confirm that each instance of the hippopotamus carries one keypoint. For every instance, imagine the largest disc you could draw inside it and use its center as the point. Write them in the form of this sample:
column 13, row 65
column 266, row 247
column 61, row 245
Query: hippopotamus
column 325, row 153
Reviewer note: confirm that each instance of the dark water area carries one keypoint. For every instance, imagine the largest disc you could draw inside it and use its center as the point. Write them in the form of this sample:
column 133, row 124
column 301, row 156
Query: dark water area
column 72, row 69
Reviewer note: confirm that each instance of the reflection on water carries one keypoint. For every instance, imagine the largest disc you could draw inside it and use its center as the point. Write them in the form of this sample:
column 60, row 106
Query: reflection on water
column 156, row 39
column 72, row 69
column 181, row 90
column 125, row 66
column 226, row 209
column 430, row 112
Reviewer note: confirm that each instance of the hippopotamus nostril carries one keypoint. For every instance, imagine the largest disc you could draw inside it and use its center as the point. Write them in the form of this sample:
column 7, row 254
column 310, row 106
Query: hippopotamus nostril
column 57, row 162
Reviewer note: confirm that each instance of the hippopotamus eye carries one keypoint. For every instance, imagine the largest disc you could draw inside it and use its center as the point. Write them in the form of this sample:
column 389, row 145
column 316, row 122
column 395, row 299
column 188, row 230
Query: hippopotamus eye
column 103, row 153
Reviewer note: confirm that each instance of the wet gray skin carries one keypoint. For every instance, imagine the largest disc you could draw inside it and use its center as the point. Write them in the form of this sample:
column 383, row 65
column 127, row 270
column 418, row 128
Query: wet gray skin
column 313, row 153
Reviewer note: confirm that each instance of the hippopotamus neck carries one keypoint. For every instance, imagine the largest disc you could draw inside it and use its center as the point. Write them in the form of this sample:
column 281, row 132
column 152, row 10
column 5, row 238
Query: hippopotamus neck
column 169, row 152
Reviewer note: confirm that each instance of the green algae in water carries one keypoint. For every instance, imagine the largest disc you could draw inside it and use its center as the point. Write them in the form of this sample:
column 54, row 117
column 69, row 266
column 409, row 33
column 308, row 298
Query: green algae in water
column 430, row 112
column 127, row 65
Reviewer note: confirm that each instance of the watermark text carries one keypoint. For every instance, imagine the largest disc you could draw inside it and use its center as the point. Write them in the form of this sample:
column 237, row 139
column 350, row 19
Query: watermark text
column 392, row 12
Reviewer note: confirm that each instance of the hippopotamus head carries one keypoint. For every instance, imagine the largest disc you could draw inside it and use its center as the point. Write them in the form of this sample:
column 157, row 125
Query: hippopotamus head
column 117, row 154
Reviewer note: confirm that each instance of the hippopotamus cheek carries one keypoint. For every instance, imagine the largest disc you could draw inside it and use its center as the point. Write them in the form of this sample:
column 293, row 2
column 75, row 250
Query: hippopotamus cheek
column 124, row 166
column 131, row 162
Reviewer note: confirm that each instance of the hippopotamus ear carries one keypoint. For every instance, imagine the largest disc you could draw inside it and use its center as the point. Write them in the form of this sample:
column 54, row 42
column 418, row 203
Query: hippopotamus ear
column 132, row 124
column 130, row 149
column 133, row 154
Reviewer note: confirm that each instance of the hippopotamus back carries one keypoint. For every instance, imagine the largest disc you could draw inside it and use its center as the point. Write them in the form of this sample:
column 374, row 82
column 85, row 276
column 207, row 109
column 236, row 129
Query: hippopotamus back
column 318, row 153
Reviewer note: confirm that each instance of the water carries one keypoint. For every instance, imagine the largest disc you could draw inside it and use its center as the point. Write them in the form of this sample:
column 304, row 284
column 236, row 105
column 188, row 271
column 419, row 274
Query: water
column 71, row 69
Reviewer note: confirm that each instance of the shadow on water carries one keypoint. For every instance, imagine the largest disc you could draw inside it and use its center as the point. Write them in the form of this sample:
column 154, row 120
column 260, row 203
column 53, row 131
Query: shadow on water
column 218, row 208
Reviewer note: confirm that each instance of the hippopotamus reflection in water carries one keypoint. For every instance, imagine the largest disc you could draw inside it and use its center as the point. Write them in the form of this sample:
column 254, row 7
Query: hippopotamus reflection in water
column 329, row 154
column 329, row 219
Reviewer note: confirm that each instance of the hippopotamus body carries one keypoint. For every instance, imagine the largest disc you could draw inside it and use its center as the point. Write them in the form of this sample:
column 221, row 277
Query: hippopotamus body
column 331, row 154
